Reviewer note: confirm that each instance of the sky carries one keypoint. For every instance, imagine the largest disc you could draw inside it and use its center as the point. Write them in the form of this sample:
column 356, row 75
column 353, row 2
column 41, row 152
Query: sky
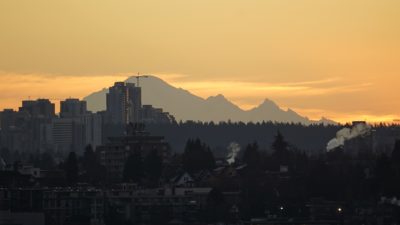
column 338, row 59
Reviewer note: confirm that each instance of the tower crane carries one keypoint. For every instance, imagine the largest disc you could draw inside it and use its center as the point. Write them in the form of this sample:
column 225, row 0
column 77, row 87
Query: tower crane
column 138, row 76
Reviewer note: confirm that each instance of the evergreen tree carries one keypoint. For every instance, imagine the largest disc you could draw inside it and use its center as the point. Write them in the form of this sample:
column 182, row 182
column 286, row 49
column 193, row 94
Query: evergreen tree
column 281, row 152
column 251, row 155
column 197, row 156
column 71, row 168
column 396, row 167
column 384, row 175
column 93, row 170
column 89, row 158
column 396, row 152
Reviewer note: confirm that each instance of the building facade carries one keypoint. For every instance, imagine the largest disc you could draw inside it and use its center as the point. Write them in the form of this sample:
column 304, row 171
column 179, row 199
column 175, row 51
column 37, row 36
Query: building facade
column 72, row 108
column 123, row 103
column 115, row 153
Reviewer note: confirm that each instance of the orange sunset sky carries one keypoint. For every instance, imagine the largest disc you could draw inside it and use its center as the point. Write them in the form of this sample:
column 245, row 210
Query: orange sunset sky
column 339, row 59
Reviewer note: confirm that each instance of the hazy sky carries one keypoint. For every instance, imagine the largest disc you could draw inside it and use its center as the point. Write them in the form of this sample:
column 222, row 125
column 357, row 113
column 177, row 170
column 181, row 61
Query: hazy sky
column 333, row 58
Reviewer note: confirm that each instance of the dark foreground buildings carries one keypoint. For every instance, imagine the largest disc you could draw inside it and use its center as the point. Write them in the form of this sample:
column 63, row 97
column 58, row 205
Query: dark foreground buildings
column 115, row 153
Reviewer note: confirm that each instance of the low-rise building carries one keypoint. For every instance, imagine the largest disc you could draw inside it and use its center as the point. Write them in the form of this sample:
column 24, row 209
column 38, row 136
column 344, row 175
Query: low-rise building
column 115, row 153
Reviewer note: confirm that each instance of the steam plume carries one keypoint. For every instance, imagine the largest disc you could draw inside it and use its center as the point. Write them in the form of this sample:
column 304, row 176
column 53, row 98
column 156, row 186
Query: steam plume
column 345, row 134
column 392, row 201
column 234, row 149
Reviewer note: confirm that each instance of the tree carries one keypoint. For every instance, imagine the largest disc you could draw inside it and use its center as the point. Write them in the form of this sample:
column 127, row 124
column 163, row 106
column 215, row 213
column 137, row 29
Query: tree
column 384, row 175
column 197, row 156
column 133, row 169
column 396, row 166
column 71, row 168
column 153, row 166
column 93, row 170
column 89, row 158
column 281, row 151
column 396, row 152
column 251, row 155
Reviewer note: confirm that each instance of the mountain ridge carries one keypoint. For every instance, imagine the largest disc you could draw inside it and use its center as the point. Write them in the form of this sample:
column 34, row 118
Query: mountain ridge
column 187, row 106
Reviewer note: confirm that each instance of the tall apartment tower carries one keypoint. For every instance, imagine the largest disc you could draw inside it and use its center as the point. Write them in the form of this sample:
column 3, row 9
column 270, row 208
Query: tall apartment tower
column 40, row 108
column 124, row 103
column 72, row 107
column 76, row 127
column 39, row 114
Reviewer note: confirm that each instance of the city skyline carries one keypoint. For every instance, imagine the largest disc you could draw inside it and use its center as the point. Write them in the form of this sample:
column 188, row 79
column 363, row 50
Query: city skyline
column 337, row 59
column 315, row 114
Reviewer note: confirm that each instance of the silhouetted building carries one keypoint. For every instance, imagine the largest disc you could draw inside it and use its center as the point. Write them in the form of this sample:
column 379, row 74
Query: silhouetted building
column 8, row 119
column 68, row 134
column 155, row 115
column 72, row 108
column 39, row 112
column 146, row 206
column 28, row 129
column 11, row 133
column 21, row 218
column 86, row 205
column 123, row 103
column 74, row 133
column 76, row 127
column 93, row 129
column 115, row 153
column 40, row 108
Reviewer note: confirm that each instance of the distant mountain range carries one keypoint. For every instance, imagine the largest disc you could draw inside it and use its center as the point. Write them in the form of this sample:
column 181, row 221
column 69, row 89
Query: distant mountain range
column 187, row 106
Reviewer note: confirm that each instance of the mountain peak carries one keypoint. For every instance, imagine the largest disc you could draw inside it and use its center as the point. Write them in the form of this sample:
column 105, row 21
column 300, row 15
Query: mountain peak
column 217, row 97
column 327, row 121
column 187, row 106
column 148, row 78
column 268, row 103
column 220, row 100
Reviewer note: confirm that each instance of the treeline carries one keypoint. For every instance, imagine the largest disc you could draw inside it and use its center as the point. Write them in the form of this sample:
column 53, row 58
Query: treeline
column 312, row 138
column 218, row 136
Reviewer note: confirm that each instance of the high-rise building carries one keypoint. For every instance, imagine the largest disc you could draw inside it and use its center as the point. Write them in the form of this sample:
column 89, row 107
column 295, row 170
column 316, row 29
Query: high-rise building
column 40, row 113
column 7, row 118
column 40, row 108
column 76, row 127
column 72, row 107
column 135, row 101
column 14, row 132
column 123, row 103
column 149, row 114
column 93, row 132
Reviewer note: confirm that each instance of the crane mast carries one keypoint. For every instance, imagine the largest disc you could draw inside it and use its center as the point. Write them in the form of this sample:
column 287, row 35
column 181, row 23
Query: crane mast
column 138, row 76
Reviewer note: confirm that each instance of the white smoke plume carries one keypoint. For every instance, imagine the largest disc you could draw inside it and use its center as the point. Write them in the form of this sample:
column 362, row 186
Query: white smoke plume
column 233, row 151
column 392, row 201
column 345, row 134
